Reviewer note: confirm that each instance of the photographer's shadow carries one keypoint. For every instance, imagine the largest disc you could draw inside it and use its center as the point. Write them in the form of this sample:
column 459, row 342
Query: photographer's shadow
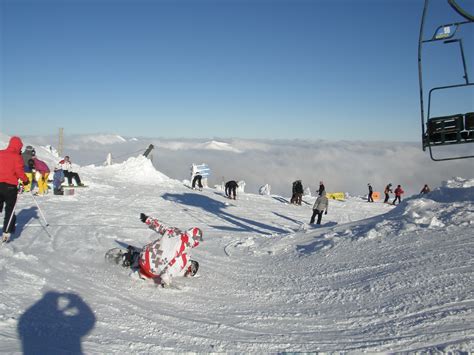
column 55, row 324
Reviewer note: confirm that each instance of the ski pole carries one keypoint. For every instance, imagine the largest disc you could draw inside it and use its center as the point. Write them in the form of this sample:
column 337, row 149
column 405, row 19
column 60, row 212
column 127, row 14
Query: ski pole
column 39, row 209
column 11, row 217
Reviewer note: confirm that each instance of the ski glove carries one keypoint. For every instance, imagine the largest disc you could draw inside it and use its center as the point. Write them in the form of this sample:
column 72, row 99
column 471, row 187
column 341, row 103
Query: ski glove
column 143, row 217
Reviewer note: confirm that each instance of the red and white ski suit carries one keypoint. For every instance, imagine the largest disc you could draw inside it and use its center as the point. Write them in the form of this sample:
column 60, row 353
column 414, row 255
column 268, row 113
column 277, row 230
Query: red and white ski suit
column 167, row 256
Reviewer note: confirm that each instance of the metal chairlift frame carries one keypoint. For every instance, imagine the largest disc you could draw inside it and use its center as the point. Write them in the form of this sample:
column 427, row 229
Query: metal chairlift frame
column 446, row 38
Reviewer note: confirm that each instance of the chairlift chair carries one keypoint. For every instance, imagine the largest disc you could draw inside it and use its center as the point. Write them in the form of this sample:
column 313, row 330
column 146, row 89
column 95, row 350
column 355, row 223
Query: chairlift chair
column 457, row 128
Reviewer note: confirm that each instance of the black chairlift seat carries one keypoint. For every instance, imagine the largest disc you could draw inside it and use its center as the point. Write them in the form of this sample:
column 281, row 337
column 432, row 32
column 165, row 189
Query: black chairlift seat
column 445, row 130
column 469, row 125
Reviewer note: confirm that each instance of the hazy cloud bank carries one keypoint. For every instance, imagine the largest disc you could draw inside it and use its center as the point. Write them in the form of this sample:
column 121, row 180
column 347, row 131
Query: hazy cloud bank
column 343, row 166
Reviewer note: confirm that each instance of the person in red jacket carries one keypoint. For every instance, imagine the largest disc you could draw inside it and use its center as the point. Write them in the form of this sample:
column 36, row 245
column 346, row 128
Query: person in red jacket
column 11, row 170
column 398, row 194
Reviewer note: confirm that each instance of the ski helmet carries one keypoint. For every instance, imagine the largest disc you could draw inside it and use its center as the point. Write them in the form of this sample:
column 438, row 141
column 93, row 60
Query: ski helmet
column 195, row 233
column 192, row 269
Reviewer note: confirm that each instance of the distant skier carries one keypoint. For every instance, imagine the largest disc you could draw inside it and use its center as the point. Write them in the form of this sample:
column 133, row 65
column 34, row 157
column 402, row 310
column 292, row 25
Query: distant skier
column 387, row 191
column 371, row 191
column 68, row 173
column 197, row 179
column 168, row 256
column 297, row 192
column 398, row 194
column 320, row 206
column 231, row 189
column 11, row 170
column 425, row 189
column 321, row 188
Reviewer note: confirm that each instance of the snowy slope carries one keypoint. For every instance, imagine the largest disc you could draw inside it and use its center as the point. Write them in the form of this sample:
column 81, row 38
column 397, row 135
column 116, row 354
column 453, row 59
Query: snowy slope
column 371, row 278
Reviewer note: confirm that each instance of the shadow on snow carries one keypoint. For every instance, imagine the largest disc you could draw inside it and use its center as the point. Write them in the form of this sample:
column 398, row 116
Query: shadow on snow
column 55, row 324
column 22, row 219
column 239, row 224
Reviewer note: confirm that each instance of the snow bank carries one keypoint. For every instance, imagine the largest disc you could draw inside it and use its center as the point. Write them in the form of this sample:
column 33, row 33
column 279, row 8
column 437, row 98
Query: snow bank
column 134, row 170
column 443, row 209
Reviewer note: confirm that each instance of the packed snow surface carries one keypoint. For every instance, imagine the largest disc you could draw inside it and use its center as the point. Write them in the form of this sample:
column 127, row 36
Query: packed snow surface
column 372, row 277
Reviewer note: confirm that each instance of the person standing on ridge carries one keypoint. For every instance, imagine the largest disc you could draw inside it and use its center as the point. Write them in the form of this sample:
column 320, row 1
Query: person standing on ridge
column 387, row 191
column 425, row 190
column 197, row 179
column 11, row 170
column 322, row 189
column 297, row 193
column 320, row 206
column 398, row 194
column 371, row 191
column 231, row 189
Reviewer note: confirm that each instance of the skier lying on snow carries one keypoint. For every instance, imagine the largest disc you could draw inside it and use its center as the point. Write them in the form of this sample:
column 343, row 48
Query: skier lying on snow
column 167, row 256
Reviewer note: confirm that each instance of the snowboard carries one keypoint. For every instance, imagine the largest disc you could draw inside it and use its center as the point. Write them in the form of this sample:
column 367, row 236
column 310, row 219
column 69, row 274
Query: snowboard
column 194, row 189
column 74, row 186
column 126, row 255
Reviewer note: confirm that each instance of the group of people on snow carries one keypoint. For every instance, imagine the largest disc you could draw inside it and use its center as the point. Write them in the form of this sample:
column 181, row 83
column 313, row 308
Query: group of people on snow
column 38, row 172
column 230, row 187
column 398, row 192
column 320, row 205
column 22, row 171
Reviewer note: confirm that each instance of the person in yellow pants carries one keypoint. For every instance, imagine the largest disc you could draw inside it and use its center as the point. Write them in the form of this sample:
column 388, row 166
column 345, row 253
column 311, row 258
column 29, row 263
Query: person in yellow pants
column 42, row 180
column 27, row 188
column 42, row 173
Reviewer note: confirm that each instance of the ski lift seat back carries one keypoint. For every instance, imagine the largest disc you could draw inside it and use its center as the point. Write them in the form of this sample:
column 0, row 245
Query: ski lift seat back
column 469, row 122
column 445, row 129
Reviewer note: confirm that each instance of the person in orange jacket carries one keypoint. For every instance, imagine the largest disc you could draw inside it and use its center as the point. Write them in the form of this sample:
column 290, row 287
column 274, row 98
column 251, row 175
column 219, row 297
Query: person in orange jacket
column 398, row 194
column 11, row 170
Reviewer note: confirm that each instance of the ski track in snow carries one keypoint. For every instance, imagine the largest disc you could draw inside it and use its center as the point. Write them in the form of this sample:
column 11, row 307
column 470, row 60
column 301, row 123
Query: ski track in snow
column 371, row 278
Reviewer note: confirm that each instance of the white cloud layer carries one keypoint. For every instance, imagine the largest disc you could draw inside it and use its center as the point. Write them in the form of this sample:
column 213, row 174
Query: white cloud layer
column 343, row 166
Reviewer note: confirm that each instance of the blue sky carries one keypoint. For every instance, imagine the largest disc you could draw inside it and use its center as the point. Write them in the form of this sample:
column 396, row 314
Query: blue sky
column 337, row 70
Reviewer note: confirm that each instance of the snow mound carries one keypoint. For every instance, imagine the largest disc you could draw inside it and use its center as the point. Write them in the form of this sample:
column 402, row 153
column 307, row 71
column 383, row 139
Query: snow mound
column 444, row 209
column 454, row 190
column 215, row 145
column 138, row 170
column 458, row 182
column 103, row 139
